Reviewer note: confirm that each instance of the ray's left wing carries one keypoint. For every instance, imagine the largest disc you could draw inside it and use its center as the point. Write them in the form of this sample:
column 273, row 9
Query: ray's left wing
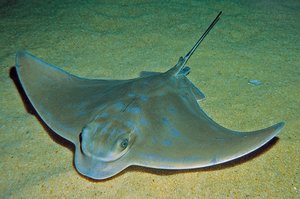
column 63, row 101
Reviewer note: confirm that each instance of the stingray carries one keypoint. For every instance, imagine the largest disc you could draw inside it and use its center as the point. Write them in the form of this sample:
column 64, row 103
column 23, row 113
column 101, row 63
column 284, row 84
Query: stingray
column 154, row 120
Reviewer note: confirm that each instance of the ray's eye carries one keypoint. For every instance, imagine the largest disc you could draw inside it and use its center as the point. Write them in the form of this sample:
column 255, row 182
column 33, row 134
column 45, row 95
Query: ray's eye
column 124, row 143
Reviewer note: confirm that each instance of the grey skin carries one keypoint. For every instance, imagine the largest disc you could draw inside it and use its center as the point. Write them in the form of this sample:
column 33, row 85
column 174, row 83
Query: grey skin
column 152, row 121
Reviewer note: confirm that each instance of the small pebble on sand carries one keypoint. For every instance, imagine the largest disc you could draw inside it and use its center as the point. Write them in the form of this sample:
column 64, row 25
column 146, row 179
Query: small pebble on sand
column 255, row 82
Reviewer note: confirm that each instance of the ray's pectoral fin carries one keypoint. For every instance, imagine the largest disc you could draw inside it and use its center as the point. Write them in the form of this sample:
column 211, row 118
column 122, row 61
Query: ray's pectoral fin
column 63, row 101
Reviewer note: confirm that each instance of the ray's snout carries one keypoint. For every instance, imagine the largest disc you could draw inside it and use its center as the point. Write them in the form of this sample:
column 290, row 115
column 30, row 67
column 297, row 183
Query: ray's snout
column 106, row 139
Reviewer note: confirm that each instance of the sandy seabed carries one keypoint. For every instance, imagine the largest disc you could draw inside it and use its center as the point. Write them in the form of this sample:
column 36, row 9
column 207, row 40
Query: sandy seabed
column 253, row 40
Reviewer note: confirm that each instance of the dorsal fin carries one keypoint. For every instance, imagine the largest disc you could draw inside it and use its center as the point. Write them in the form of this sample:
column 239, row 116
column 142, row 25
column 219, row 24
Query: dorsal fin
column 180, row 68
